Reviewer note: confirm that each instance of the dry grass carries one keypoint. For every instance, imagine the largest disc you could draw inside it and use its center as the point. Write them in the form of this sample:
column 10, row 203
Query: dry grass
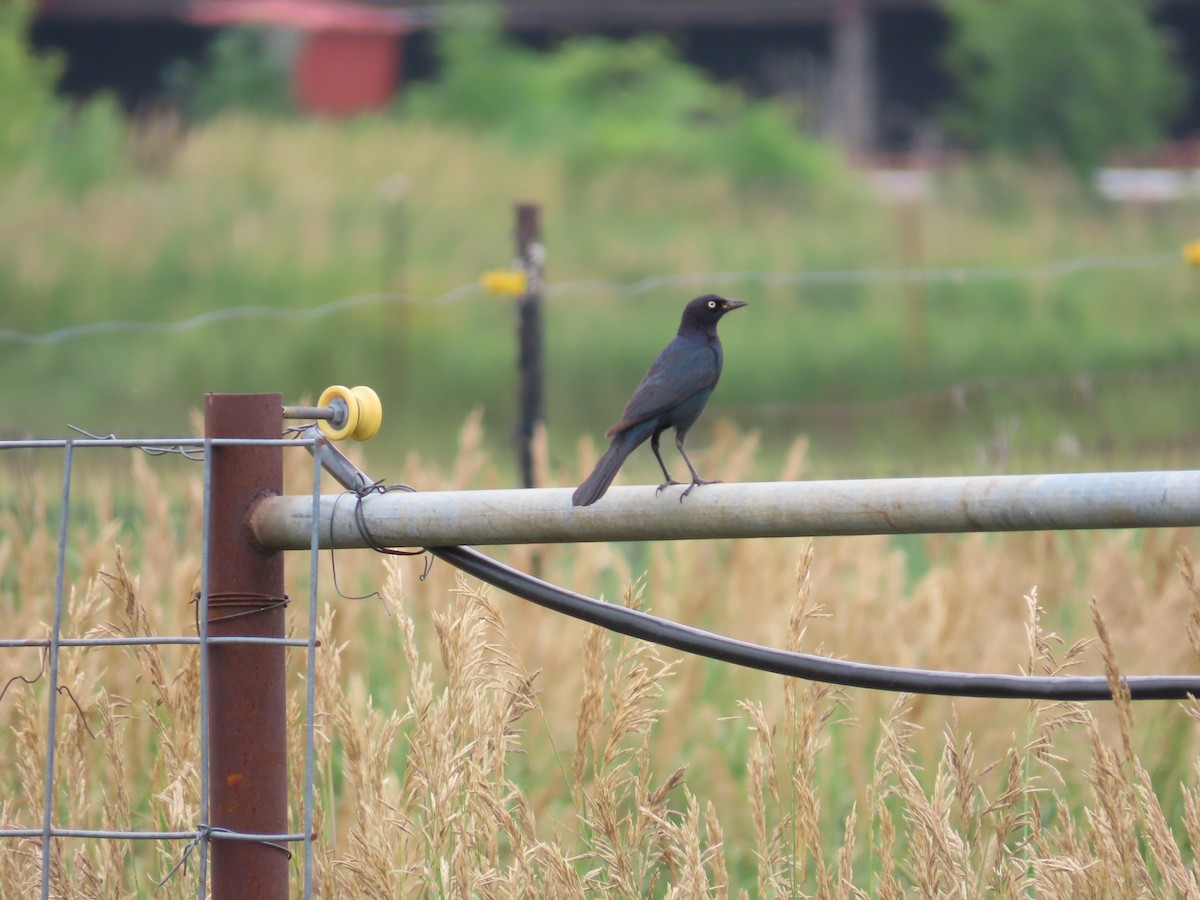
column 472, row 745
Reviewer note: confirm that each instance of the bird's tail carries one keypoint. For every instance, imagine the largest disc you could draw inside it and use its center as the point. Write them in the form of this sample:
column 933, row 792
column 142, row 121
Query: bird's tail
column 602, row 476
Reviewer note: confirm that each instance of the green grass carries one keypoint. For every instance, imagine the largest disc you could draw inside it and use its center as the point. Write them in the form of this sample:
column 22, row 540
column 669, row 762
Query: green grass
column 289, row 215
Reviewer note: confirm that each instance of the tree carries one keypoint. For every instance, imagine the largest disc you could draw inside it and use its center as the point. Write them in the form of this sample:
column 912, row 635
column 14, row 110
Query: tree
column 1075, row 78
column 76, row 145
column 603, row 102
column 26, row 86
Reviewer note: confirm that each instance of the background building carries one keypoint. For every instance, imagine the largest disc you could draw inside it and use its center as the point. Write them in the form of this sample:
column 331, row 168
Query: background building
column 869, row 69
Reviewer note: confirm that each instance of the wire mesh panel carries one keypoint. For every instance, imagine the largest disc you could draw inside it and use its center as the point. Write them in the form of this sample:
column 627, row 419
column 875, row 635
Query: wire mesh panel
column 104, row 712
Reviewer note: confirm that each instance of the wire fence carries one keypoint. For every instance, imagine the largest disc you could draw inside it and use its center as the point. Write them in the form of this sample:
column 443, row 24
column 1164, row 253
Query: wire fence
column 977, row 413
column 953, row 274
column 196, row 841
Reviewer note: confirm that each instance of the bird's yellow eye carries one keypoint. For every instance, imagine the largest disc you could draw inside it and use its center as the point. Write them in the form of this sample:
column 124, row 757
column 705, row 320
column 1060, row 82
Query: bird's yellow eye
column 712, row 304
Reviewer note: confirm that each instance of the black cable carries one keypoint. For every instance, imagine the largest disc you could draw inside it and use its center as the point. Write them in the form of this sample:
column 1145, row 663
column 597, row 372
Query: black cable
column 644, row 626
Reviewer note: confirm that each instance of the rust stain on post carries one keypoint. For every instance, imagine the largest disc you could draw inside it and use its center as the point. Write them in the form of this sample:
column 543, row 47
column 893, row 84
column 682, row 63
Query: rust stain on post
column 247, row 700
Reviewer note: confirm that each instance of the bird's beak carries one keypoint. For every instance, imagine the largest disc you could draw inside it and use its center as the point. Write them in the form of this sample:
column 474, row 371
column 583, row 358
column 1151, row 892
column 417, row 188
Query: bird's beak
column 734, row 304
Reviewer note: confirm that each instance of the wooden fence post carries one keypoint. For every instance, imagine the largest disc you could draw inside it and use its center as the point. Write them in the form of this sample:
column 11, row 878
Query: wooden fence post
column 530, row 373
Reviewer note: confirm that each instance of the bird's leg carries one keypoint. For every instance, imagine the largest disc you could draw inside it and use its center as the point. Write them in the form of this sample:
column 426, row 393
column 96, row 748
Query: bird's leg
column 696, row 479
column 662, row 465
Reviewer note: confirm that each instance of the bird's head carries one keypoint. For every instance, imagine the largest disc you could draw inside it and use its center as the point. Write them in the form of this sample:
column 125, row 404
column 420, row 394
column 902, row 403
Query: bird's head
column 708, row 309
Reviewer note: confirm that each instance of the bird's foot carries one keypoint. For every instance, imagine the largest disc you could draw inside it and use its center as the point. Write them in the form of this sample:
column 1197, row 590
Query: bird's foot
column 693, row 485
column 666, row 484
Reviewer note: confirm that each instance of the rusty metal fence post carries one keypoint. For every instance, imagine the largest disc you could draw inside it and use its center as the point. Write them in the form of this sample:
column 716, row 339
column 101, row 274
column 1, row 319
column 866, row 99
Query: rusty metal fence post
column 247, row 708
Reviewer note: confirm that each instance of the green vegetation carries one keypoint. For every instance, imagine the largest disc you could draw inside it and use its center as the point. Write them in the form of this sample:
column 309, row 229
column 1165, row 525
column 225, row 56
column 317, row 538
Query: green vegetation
column 26, row 86
column 244, row 70
column 598, row 103
column 74, row 148
column 289, row 215
column 1076, row 79
column 643, row 169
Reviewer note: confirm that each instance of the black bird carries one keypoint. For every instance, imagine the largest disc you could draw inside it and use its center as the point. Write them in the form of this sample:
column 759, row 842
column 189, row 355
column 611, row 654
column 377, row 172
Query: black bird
column 672, row 395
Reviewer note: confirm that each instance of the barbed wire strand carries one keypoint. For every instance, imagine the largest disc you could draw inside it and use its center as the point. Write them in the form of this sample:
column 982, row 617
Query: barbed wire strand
column 954, row 274
column 958, row 274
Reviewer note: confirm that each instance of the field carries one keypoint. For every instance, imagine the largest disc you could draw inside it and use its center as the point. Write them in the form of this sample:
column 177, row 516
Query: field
column 1039, row 368
column 470, row 744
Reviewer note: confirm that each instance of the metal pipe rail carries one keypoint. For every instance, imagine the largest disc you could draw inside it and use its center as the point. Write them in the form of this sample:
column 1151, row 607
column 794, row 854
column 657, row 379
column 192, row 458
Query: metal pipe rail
column 644, row 626
column 766, row 509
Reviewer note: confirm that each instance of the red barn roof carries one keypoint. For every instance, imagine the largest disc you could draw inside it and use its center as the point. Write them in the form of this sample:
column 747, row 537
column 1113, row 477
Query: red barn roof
column 305, row 15
column 349, row 60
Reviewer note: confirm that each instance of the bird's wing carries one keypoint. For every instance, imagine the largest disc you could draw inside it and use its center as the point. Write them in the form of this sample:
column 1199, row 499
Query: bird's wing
column 682, row 370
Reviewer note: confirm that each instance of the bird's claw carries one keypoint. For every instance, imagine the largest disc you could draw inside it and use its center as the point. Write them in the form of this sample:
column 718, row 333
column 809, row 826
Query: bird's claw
column 666, row 484
column 695, row 483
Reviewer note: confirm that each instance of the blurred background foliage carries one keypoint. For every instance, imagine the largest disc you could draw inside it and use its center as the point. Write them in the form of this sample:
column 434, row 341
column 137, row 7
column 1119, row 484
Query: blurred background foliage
column 644, row 168
column 73, row 146
column 603, row 102
column 244, row 70
column 1074, row 80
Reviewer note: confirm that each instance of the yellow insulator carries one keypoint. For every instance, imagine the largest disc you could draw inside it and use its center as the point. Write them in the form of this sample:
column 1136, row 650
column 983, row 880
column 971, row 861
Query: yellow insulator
column 370, row 413
column 509, row 282
column 341, row 398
